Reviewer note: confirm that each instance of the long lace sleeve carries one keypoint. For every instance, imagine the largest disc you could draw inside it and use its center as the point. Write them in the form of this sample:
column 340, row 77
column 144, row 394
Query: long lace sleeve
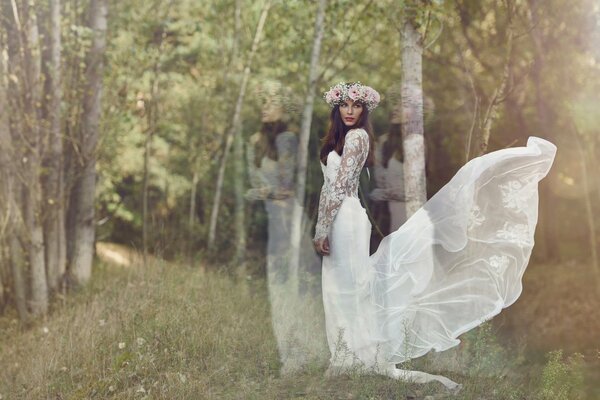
column 354, row 155
column 287, row 146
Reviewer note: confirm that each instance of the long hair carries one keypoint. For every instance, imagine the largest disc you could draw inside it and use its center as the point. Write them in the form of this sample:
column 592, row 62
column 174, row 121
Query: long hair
column 336, row 136
column 265, row 146
column 393, row 143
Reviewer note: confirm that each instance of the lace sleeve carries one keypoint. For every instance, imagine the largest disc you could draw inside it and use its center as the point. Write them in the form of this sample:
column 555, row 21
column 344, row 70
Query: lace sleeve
column 354, row 155
column 287, row 146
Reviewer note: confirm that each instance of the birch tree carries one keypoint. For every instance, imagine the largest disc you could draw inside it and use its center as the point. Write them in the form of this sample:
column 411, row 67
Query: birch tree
column 54, row 205
column 11, row 224
column 302, row 159
column 235, row 122
column 412, row 112
column 80, row 262
column 240, row 203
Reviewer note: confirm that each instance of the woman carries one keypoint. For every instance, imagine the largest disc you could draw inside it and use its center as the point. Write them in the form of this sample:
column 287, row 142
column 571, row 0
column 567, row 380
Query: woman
column 454, row 264
column 271, row 156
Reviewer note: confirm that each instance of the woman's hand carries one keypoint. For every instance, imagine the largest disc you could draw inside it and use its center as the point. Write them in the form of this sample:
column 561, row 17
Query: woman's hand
column 322, row 246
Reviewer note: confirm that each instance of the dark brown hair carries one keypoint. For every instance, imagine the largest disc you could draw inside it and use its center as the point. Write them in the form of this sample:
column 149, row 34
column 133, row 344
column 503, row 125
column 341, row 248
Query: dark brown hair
column 265, row 145
column 393, row 143
column 336, row 136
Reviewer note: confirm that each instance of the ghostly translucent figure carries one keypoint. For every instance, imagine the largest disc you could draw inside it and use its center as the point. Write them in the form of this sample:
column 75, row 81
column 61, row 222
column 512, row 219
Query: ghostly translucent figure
column 296, row 305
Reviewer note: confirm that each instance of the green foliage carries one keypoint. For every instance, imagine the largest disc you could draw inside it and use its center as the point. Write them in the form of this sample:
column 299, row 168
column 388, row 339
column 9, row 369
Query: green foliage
column 562, row 379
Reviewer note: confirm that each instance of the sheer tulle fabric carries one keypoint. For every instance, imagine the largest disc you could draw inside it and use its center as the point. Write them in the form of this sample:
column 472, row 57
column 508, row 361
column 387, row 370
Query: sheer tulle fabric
column 455, row 263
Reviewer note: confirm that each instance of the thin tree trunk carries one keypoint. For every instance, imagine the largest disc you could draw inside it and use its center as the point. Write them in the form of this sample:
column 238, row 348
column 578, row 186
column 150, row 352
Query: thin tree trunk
column 10, row 210
column 53, row 185
column 547, row 207
column 85, row 187
column 588, row 207
column 32, row 199
column 235, row 123
column 147, row 149
column 412, row 110
column 302, row 158
column 192, row 215
column 240, row 203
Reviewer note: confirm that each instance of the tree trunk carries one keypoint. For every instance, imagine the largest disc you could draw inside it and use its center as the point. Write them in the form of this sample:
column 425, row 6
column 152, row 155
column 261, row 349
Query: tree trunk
column 302, row 160
column 588, row 207
column 235, row 123
column 240, row 203
column 412, row 120
column 85, row 186
column 547, row 207
column 53, row 184
column 10, row 210
column 31, row 88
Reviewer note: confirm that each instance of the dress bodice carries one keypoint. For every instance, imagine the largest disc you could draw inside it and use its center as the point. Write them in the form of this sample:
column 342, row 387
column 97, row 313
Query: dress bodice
column 331, row 169
column 341, row 177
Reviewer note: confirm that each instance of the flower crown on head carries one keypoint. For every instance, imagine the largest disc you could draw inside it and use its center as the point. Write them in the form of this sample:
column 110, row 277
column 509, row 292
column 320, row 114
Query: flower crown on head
column 356, row 91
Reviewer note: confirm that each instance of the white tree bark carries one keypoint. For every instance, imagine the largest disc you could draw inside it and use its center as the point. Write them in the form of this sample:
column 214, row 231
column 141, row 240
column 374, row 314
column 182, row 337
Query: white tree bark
column 31, row 94
column 54, row 226
column 412, row 111
column 235, row 123
column 302, row 160
column 240, row 203
column 85, row 187
column 10, row 223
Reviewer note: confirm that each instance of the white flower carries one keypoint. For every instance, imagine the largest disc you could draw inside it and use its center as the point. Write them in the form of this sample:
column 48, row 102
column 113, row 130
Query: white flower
column 45, row 329
column 111, row 388
column 102, row 322
column 182, row 378
column 121, row 345
column 141, row 341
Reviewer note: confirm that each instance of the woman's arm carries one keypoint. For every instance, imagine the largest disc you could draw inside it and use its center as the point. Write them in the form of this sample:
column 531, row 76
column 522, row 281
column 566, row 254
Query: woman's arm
column 356, row 149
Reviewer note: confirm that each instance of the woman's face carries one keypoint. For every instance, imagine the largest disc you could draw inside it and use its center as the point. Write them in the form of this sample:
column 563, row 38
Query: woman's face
column 350, row 112
column 272, row 110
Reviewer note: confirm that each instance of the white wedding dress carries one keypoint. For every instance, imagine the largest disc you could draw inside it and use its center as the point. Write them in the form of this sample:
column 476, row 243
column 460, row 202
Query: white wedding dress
column 455, row 263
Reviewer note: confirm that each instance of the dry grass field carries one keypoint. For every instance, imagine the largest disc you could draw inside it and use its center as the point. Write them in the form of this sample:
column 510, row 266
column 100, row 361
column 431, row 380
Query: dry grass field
column 166, row 331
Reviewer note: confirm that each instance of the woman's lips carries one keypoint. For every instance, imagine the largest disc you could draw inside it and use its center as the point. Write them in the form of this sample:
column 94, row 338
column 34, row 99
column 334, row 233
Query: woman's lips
column 349, row 119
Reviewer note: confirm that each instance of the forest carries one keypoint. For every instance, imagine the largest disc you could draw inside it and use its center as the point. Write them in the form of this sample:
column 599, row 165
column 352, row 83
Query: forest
column 137, row 234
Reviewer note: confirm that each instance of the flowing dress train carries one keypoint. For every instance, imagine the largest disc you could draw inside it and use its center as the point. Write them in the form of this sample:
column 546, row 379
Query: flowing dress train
column 455, row 263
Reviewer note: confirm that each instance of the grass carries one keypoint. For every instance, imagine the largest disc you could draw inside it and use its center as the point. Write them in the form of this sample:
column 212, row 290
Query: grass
column 167, row 331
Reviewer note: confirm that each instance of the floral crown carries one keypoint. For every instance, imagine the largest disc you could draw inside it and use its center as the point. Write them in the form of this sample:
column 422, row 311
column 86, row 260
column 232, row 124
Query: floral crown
column 356, row 91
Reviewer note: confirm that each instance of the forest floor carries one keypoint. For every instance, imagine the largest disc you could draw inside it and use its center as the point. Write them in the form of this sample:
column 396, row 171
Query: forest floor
column 167, row 331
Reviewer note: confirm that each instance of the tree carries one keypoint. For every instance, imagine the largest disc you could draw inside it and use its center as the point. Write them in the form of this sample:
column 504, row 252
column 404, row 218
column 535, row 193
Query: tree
column 235, row 122
column 80, row 261
column 412, row 113
column 54, row 198
column 307, row 115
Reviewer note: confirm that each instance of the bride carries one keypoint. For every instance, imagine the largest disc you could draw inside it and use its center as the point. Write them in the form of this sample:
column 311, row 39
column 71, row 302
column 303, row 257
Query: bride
column 455, row 263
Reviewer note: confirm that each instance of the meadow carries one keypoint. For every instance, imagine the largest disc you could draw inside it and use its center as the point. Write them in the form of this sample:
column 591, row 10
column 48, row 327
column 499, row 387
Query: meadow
column 169, row 331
